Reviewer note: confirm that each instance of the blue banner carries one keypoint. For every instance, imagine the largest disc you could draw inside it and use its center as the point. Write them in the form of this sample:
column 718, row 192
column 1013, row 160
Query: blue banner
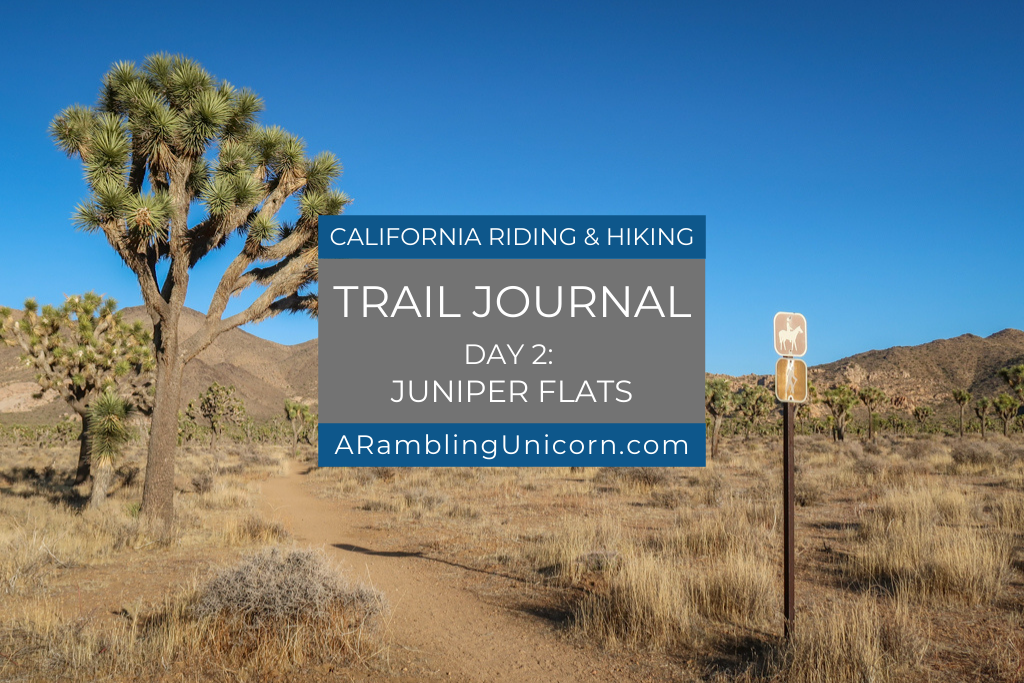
column 512, row 445
column 512, row 237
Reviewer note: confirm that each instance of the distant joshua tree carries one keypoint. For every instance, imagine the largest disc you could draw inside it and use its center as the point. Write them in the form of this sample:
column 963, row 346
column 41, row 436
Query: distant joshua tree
column 981, row 408
column 1014, row 376
column 962, row 398
column 800, row 409
column 840, row 400
column 80, row 350
column 921, row 414
column 1006, row 407
column 221, row 406
column 871, row 397
column 298, row 415
column 755, row 403
column 718, row 402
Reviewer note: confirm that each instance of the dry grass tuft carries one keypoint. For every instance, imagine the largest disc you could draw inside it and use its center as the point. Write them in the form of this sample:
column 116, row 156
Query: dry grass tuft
column 851, row 644
column 911, row 545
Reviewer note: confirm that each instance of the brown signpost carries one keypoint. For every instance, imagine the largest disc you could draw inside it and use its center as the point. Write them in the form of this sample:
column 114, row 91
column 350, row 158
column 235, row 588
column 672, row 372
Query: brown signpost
column 791, row 389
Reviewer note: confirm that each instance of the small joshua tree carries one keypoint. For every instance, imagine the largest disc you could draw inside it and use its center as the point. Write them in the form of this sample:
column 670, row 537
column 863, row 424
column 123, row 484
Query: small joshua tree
column 962, row 398
column 871, row 397
column 79, row 350
column 298, row 416
column 109, row 432
column 1014, row 376
column 718, row 401
column 981, row 408
column 800, row 410
column 221, row 406
column 921, row 414
column 840, row 401
column 755, row 403
column 1006, row 407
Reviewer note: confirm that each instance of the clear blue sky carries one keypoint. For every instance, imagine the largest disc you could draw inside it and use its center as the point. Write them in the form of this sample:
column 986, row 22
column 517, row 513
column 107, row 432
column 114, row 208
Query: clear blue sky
column 877, row 149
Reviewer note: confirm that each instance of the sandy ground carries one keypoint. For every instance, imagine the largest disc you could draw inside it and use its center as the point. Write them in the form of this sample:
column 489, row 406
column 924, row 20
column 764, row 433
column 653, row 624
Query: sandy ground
column 441, row 629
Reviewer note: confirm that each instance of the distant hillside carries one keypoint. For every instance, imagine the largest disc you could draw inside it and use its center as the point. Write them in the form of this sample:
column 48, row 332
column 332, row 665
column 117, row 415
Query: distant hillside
column 926, row 374
column 264, row 372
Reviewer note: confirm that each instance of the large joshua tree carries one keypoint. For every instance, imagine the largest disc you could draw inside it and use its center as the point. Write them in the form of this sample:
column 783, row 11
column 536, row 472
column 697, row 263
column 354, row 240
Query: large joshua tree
column 164, row 137
column 79, row 350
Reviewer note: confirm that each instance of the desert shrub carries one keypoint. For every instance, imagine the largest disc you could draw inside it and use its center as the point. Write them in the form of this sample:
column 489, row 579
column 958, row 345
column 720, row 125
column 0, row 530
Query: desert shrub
column 274, row 611
column 871, row 448
column 634, row 477
column 711, row 489
column 1012, row 452
column 669, row 500
column 975, row 453
column 917, row 449
column 808, row 492
column 384, row 474
column 274, row 585
column 202, row 483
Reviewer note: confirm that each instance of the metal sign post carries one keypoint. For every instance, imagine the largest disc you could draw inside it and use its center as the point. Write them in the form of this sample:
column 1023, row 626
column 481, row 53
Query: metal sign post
column 790, row 337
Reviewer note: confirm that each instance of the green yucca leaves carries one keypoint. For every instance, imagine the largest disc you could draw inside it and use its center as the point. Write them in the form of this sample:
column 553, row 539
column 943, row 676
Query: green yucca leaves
column 321, row 170
column 263, row 229
column 219, row 195
column 72, row 129
column 109, row 425
column 148, row 214
column 245, row 105
column 158, row 69
column 313, row 203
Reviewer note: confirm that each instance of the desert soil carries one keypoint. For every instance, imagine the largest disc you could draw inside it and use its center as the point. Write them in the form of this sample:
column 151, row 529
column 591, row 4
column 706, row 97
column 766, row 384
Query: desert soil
column 443, row 625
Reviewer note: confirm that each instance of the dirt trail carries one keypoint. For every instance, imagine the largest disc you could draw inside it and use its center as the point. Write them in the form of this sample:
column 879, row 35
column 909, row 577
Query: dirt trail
column 440, row 630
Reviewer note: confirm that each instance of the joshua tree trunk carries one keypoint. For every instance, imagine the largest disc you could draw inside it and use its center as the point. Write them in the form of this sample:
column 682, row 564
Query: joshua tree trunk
column 82, row 473
column 295, row 438
column 716, row 435
column 158, row 492
column 962, row 406
column 983, row 437
column 871, row 425
column 100, row 484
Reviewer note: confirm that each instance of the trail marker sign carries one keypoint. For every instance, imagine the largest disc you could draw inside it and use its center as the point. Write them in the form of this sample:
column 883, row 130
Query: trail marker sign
column 790, row 334
column 791, row 380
